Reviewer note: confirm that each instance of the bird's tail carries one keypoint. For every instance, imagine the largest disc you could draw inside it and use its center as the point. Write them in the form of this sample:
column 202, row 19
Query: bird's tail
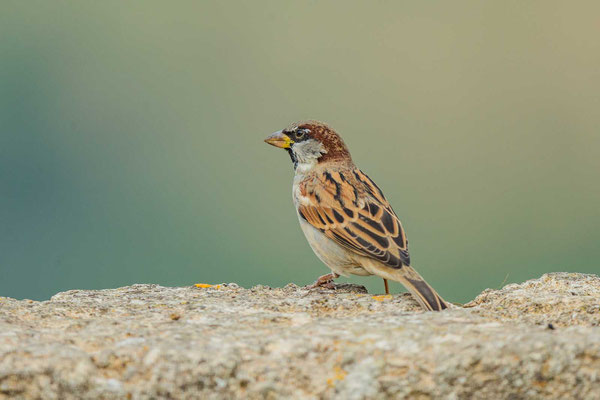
column 421, row 291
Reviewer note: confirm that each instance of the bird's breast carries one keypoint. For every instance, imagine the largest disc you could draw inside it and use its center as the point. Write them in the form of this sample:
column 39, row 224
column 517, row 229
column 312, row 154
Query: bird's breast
column 299, row 192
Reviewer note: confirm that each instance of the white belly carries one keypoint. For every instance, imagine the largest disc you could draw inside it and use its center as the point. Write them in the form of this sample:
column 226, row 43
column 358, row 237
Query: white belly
column 340, row 260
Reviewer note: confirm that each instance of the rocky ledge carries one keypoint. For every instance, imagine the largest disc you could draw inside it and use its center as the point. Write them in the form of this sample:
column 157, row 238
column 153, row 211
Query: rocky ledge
column 539, row 339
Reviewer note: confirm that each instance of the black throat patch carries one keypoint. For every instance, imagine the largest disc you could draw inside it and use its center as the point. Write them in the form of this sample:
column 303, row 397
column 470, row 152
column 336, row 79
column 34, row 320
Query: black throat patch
column 293, row 157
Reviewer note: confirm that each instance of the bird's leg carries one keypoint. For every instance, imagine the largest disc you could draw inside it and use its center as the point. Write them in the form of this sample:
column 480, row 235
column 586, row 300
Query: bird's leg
column 325, row 281
column 387, row 288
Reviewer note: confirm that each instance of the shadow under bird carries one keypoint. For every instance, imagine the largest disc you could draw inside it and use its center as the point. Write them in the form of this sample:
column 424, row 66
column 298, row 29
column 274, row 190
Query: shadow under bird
column 344, row 215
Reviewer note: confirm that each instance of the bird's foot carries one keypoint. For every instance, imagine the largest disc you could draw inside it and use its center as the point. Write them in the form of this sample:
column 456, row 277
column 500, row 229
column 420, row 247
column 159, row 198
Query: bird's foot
column 387, row 288
column 324, row 281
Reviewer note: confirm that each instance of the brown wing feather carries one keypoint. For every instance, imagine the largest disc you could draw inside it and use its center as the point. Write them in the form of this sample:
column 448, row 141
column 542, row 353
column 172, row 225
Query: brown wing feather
column 348, row 207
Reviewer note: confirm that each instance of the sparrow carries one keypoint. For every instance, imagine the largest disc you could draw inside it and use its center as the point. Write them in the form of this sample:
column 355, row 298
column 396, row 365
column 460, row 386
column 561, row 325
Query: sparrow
column 344, row 215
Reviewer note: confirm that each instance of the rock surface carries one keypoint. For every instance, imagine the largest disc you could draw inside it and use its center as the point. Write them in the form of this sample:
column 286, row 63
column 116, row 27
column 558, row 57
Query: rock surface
column 539, row 339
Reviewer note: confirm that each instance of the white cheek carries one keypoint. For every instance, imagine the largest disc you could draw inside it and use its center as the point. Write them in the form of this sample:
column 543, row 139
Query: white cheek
column 307, row 153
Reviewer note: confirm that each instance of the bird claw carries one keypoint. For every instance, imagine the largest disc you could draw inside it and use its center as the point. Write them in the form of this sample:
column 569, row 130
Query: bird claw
column 326, row 285
column 325, row 281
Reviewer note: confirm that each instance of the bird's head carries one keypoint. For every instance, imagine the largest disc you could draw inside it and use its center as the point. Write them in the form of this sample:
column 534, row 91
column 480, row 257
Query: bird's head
column 310, row 143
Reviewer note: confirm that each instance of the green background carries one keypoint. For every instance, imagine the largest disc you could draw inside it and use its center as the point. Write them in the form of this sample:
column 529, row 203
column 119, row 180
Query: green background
column 131, row 137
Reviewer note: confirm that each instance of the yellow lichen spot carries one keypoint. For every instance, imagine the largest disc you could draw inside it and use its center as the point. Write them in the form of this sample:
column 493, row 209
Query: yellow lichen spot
column 382, row 297
column 338, row 375
column 206, row 286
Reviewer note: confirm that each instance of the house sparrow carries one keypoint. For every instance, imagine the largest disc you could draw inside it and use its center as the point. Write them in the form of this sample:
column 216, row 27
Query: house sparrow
column 346, row 219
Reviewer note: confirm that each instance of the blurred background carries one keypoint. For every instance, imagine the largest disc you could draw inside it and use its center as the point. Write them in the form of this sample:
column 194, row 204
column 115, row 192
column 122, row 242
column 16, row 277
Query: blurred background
column 131, row 137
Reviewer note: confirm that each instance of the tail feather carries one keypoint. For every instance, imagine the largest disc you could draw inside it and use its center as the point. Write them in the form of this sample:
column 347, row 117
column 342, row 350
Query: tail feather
column 425, row 294
column 421, row 291
column 427, row 297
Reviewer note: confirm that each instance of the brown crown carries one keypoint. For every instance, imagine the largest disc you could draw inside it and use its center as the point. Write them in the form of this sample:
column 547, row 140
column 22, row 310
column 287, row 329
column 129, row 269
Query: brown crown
column 331, row 140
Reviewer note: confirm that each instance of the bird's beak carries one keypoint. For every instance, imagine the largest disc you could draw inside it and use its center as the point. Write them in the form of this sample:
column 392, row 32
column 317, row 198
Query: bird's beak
column 278, row 139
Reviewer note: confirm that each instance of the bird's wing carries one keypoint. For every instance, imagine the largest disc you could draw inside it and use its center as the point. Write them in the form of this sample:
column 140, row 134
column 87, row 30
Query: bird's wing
column 349, row 208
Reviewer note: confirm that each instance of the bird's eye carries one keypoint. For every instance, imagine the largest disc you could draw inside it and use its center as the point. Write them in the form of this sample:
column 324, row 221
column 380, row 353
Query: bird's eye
column 300, row 134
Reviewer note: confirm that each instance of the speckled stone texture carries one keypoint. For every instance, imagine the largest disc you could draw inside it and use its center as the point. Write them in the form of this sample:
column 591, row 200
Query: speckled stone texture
column 539, row 339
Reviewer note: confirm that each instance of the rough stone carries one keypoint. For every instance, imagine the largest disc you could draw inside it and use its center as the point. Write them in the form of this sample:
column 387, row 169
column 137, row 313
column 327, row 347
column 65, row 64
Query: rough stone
column 539, row 339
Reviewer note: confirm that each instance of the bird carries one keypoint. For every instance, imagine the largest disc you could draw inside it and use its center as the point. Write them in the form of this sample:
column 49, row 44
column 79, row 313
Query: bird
column 344, row 215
